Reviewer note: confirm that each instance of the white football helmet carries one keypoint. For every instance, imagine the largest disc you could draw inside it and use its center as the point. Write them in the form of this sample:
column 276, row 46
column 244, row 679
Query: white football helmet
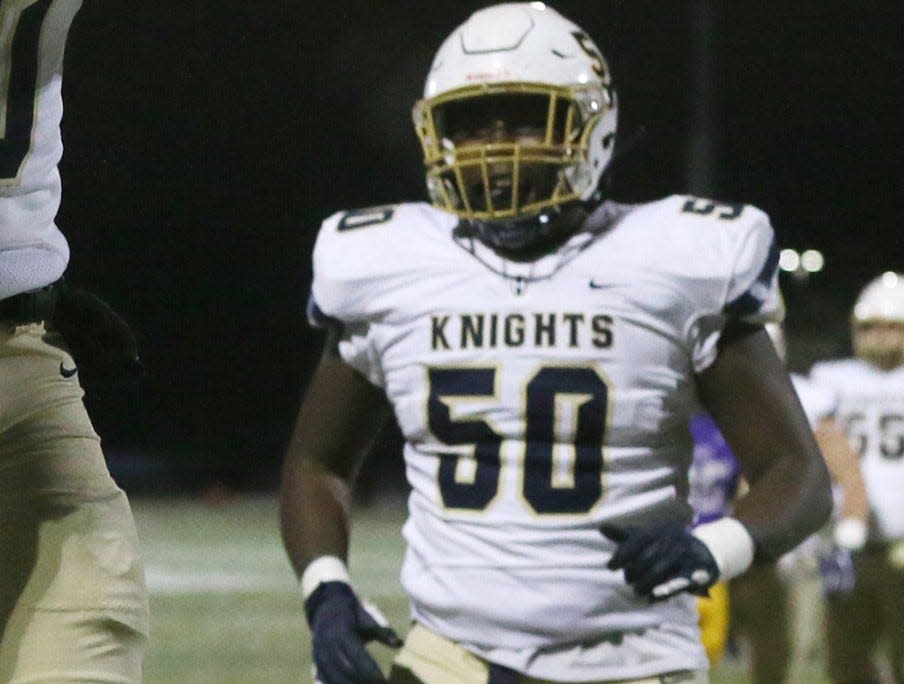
column 520, row 67
column 877, row 321
column 881, row 300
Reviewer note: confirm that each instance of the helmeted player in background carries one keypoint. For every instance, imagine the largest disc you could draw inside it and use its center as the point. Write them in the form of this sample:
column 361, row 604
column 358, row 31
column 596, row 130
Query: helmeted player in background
column 870, row 393
column 737, row 607
column 543, row 349
column 73, row 604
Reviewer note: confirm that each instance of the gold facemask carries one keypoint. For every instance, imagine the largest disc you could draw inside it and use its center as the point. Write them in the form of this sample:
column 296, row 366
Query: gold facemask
column 507, row 150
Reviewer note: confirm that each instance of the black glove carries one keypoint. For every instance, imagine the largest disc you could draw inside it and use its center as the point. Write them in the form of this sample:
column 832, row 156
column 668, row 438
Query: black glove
column 660, row 562
column 98, row 338
column 341, row 625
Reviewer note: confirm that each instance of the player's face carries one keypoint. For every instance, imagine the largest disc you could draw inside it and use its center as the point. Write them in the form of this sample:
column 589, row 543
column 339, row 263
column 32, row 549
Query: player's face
column 881, row 343
column 504, row 137
column 531, row 178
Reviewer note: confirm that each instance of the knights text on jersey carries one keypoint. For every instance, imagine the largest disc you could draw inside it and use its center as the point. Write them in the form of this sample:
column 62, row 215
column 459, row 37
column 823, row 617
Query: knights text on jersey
column 539, row 400
column 33, row 252
column 871, row 409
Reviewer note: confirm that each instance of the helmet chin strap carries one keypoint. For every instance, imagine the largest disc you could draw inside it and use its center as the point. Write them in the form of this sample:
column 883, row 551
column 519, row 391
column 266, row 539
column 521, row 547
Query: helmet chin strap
column 524, row 239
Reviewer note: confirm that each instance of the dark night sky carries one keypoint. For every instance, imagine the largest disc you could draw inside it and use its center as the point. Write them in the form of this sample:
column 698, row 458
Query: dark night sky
column 206, row 141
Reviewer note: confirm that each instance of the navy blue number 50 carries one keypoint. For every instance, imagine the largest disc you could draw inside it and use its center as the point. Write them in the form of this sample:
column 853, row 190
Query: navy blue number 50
column 20, row 93
column 550, row 393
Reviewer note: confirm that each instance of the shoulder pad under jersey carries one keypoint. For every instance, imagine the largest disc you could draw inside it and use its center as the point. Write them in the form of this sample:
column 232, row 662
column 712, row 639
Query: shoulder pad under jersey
column 723, row 255
column 362, row 257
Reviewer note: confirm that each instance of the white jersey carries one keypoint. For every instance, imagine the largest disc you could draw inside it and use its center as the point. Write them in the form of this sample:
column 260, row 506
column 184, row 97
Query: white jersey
column 539, row 400
column 871, row 408
column 819, row 403
column 33, row 252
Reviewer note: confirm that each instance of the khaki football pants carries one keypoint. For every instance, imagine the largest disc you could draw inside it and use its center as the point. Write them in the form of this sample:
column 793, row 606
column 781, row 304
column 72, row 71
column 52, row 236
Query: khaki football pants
column 73, row 603
column 868, row 619
column 760, row 613
column 427, row 658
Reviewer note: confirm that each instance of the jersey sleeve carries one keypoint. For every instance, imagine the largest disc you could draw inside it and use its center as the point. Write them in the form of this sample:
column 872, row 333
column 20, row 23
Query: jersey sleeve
column 744, row 287
column 828, row 378
column 823, row 373
column 364, row 263
column 819, row 402
column 342, row 273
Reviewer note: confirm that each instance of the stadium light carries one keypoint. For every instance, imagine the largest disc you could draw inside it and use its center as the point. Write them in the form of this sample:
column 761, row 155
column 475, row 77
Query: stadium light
column 801, row 265
column 789, row 260
column 812, row 261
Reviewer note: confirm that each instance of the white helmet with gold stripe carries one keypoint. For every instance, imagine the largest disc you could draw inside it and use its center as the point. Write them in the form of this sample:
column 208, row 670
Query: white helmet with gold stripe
column 518, row 115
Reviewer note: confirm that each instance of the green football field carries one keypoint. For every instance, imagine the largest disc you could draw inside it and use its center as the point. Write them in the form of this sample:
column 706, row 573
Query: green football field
column 225, row 605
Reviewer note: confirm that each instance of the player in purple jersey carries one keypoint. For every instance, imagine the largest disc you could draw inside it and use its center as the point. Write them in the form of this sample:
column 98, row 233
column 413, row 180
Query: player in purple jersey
column 715, row 474
column 714, row 478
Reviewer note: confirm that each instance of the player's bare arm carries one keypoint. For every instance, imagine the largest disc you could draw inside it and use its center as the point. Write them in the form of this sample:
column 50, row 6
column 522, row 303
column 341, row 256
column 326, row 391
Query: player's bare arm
column 749, row 393
column 339, row 418
column 844, row 466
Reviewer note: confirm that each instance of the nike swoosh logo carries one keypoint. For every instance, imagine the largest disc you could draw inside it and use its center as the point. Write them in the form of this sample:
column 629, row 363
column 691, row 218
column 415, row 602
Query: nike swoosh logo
column 67, row 372
column 600, row 286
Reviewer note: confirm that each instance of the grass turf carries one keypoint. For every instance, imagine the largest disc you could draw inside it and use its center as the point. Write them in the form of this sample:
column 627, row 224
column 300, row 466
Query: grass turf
column 225, row 607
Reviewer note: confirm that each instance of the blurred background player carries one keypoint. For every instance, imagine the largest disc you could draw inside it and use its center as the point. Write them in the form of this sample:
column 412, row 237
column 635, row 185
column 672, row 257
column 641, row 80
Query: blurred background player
column 772, row 628
column 715, row 478
column 73, row 604
column 868, row 611
column 542, row 349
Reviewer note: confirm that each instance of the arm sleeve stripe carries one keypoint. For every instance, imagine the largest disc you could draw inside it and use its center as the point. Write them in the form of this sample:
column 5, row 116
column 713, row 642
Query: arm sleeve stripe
column 751, row 300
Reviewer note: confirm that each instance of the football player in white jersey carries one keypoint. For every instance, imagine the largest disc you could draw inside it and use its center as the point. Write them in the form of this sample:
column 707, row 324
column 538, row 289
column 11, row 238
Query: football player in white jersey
column 870, row 392
column 716, row 485
column 73, row 604
column 542, row 349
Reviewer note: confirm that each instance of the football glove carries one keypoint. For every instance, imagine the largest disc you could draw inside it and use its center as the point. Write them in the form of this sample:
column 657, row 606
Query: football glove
column 97, row 337
column 340, row 626
column 836, row 568
column 660, row 562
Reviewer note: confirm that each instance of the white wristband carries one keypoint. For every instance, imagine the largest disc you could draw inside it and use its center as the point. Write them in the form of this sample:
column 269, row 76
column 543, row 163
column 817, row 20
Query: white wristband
column 730, row 544
column 323, row 569
column 850, row 534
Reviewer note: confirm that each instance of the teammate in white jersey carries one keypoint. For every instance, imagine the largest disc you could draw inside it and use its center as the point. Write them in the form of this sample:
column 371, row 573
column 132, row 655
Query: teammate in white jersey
column 73, row 604
column 870, row 392
column 542, row 350
column 793, row 584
